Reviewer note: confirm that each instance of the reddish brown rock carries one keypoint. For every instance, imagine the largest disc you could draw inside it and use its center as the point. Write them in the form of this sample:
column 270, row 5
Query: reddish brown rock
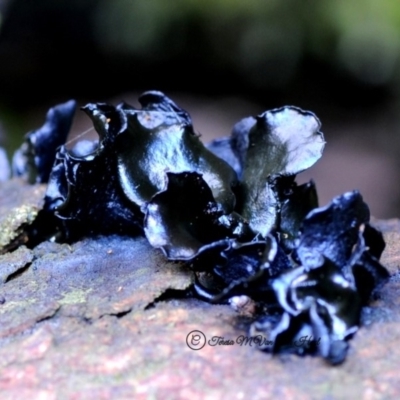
column 83, row 321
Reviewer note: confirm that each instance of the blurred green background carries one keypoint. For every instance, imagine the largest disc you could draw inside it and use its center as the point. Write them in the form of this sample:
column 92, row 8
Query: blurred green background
column 222, row 60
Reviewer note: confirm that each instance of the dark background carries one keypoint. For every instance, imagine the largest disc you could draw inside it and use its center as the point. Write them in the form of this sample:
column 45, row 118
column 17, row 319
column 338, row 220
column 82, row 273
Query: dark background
column 222, row 60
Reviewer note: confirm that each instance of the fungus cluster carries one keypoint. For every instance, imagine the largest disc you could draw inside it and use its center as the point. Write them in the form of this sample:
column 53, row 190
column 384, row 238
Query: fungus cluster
column 231, row 210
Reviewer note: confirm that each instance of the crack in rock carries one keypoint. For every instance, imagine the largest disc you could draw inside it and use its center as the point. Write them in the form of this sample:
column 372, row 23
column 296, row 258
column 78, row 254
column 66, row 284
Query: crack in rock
column 15, row 263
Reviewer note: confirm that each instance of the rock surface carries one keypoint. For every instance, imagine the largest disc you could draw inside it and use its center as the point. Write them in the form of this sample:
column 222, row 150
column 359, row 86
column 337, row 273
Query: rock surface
column 19, row 206
column 92, row 320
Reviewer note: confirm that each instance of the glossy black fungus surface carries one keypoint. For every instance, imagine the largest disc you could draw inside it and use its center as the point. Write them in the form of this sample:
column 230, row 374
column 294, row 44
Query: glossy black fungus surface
column 319, row 303
column 247, row 269
column 233, row 211
column 282, row 142
column 332, row 231
column 160, row 138
column 84, row 190
column 185, row 217
column 36, row 156
column 296, row 202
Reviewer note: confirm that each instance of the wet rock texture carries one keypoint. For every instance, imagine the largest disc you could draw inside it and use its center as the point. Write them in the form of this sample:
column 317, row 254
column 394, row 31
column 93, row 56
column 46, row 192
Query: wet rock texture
column 87, row 321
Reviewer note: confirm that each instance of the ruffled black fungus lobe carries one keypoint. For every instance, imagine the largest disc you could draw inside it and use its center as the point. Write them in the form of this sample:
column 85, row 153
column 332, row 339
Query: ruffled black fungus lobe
column 159, row 139
column 267, row 152
column 296, row 202
column 332, row 231
column 36, row 156
column 84, row 189
column 323, row 297
column 282, row 142
column 185, row 217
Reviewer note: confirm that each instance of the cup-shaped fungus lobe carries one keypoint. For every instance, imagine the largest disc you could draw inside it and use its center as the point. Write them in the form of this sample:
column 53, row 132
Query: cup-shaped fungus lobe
column 281, row 142
column 160, row 138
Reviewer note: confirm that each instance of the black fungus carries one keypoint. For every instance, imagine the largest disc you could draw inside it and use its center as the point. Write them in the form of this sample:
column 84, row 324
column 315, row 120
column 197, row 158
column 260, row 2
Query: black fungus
column 88, row 199
column 185, row 217
column 321, row 299
column 296, row 202
column 84, row 190
column 160, row 138
column 323, row 296
column 247, row 269
column 36, row 156
column 332, row 231
column 232, row 211
column 364, row 268
column 374, row 240
column 282, row 142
